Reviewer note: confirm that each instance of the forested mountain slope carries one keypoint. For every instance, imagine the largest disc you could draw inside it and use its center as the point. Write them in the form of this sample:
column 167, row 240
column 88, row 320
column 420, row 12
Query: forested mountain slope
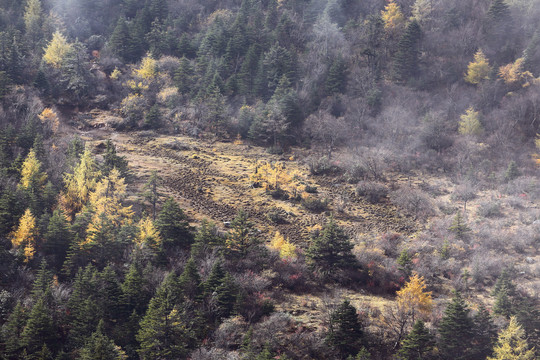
column 286, row 179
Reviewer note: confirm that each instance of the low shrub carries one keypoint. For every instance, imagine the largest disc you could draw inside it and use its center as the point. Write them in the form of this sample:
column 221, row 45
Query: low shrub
column 373, row 191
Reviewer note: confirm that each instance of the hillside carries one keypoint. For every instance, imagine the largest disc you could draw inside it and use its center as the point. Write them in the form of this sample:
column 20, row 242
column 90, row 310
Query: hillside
column 269, row 179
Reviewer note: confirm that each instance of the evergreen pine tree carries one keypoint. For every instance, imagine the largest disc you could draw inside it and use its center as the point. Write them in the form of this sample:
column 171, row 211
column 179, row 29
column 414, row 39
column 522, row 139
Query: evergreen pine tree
column 112, row 160
column 345, row 333
column 57, row 239
column 484, row 334
column 12, row 333
column 405, row 263
column 101, row 347
column 190, row 281
column 39, row 329
column 406, row 58
column 110, row 294
column 455, row 330
column 331, row 249
column 226, row 296
column 121, row 42
column 336, row 78
column 183, row 76
column 459, row 227
column 240, row 239
column 418, row 344
column 43, row 282
column 173, row 225
column 134, row 298
column 206, row 239
column 163, row 333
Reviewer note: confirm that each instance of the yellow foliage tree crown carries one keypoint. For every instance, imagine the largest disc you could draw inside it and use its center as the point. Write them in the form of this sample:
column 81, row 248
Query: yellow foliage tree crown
column 286, row 249
column 148, row 234
column 25, row 235
column 31, row 174
column 478, row 69
column 413, row 298
column 148, row 69
column 392, row 17
column 56, row 50
column 470, row 123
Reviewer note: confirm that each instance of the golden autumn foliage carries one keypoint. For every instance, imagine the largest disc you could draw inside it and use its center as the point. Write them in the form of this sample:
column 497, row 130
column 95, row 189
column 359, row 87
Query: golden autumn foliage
column 393, row 18
column 148, row 69
column 275, row 176
column 25, row 235
column 478, row 69
column 148, row 234
column 115, row 75
column 31, row 174
column 286, row 249
column 413, row 298
column 513, row 73
column 512, row 344
column 106, row 201
column 469, row 123
column 79, row 185
column 56, row 50
column 50, row 119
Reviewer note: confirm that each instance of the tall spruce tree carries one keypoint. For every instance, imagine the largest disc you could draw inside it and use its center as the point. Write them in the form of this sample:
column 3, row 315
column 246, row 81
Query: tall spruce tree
column 407, row 55
column 455, row 330
column 418, row 344
column 100, row 347
column 331, row 249
column 173, row 225
column 345, row 331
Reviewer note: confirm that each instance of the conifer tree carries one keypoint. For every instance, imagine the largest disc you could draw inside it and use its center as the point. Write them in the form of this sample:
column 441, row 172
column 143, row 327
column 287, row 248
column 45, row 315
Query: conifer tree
column 110, row 294
column 406, row 58
column 32, row 178
column 225, row 296
column 470, row 123
column 12, row 332
column 206, row 239
column 163, row 333
column 455, row 330
column 459, row 227
column 484, row 334
column 478, row 69
column 57, row 50
column 24, row 238
column 240, row 239
column 331, row 249
column 101, row 347
column 405, row 263
column 190, row 281
column 134, row 298
column 345, row 332
column 43, row 281
column 512, row 344
column 173, row 225
column 183, row 76
column 39, row 329
column 336, row 79
column 79, row 185
column 122, row 43
column 57, row 239
column 114, row 161
column 418, row 344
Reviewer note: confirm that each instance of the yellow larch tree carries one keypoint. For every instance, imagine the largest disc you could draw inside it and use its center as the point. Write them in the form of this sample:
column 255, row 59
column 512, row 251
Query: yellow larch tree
column 286, row 249
column 25, row 235
column 478, row 69
column 413, row 299
column 275, row 176
column 79, row 185
column 106, row 202
column 512, row 344
column 56, row 50
column 513, row 73
column 148, row 69
column 393, row 19
column 469, row 123
column 50, row 119
column 148, row 234
column 32, row 178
